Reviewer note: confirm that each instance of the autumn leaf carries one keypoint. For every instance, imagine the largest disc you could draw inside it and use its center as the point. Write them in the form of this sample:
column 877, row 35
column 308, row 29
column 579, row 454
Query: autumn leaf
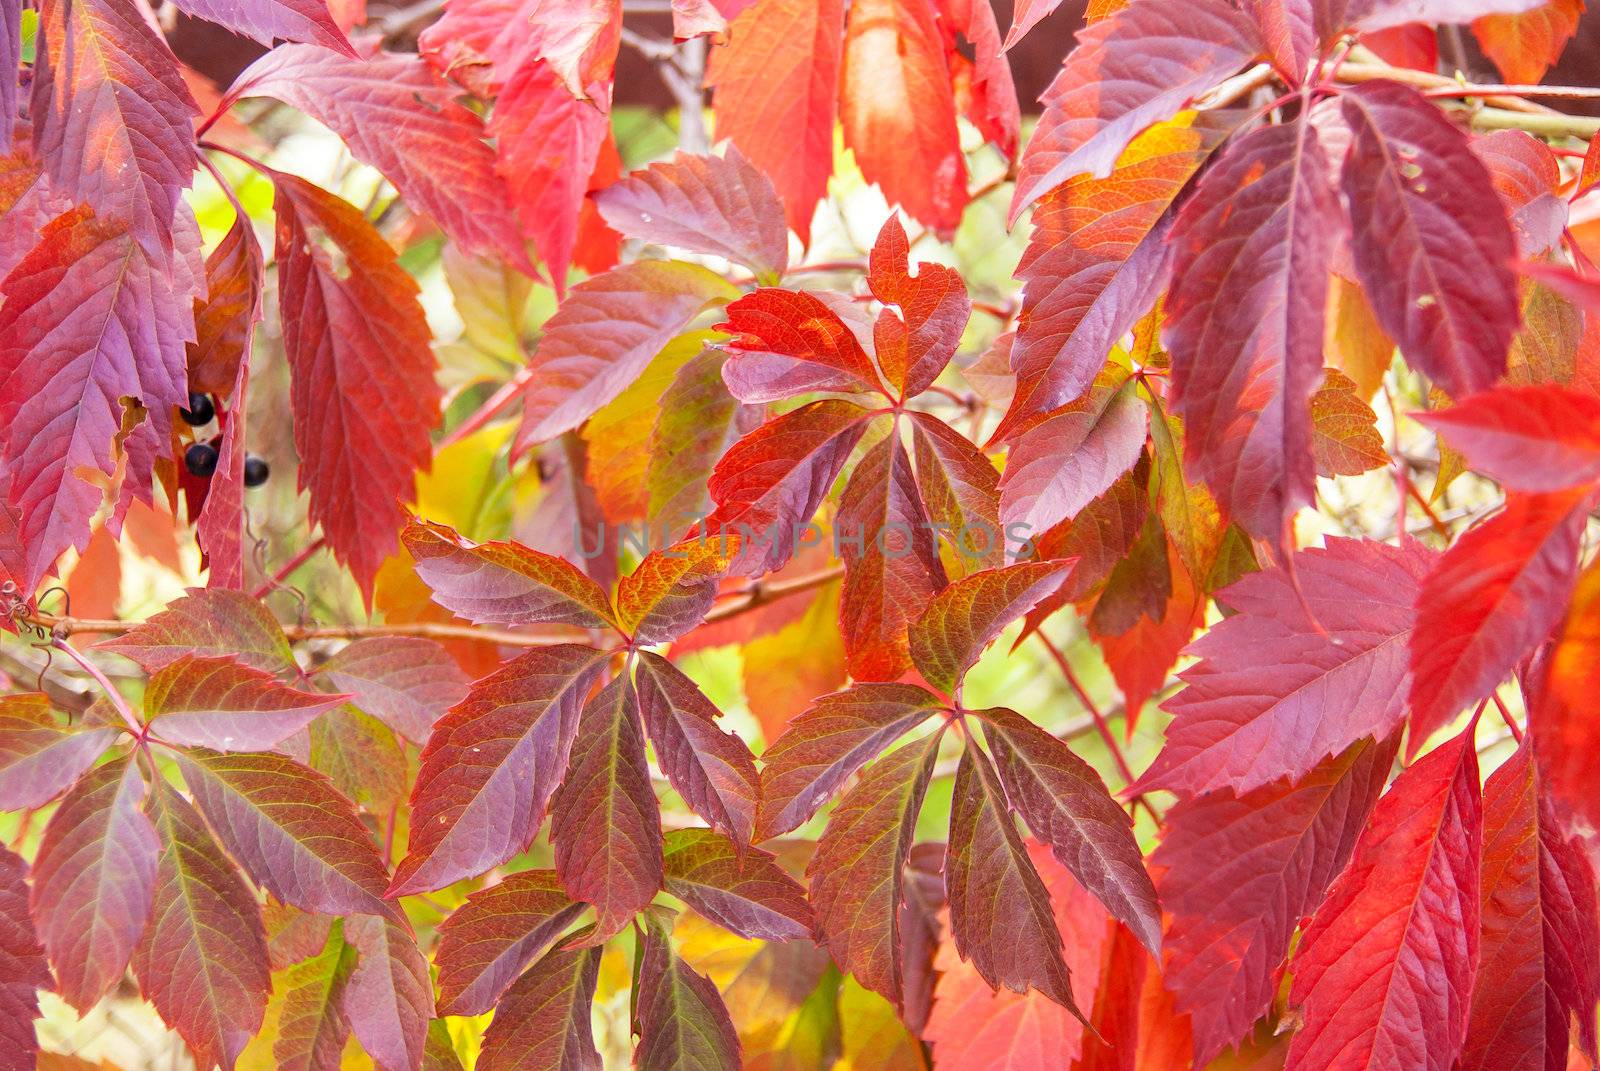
column 1543, row 438
column 207, row 623
column 543, row 1020
column 1561, row 732
column 301, row 21
column 970, row 614
column 682, row 1020
column 487, row 942
column 1523, row 46
column 39, row 759
column 405, row 682
column 743, row 890
column 219, row 703
column 914, row 346
column 23, row 968
column 788, row 343
column 388, row 999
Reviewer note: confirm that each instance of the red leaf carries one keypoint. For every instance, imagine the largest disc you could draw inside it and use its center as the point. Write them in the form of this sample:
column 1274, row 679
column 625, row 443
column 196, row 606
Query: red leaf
column 605, row 824
column 112, row 119
column 289, row 828
column 221, row 528
column 712, row 770
column 1430, row 238
column 961, row 490
column 1238, row 873
column 1539, row 438
column 88, row 318
column 543, row 1020
column 93, row 881
column 682, row 1021
column 222, row 704
column 389, row 997
column 503, row 583
column 789, row 342
column 915, row 346
column 669, row 592
column 403, row 681
column 603, row 336
column 488, row 941
column 788, row 135
column 1524, row 46
column 549, row 143
column 841, row 732
column 891, row 559
column 207, row 623
column 398, row 116
column 491, row 766
column 38, row 759
column 984, row 89
column 742, row 890
column 999, row 910
column 1384, row 972
column 23, row 970
column 302, row 21
column 1275, row 693
column 857, row 871
column 1559, row 715
column 718, row 206
column 203, row 959
column 1066, row 805
column 970, row 614
column 898, row 111
column 1245, row 321
column 224, row 321
column 362, row 328
column 1133, row 69
column 1068, row 459
column 1494, row 596
column 1527, row 177
column 1095, row 262
column 1539, row 962
column 770, row 483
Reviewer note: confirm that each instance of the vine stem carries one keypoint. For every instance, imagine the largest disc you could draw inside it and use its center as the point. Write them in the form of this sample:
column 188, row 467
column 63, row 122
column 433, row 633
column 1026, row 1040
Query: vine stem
column 1511, row 723
column 1100, row 724
column 138, row 730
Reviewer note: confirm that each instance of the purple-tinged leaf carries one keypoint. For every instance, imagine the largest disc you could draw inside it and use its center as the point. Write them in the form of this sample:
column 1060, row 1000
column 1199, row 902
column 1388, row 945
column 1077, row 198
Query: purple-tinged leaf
column 23, row 970
column 290, row 829
column 207, row 622
column 605, row 823
column 961, row 490
column 697, row 422
column 741, row 889
column 405, row 682
column 791, row 342
column 488, row 941
column 712, row 770
column 39, row 759
column 819, row 751
column 1370, row 15
column 93, row 881
column 682, row 1021
column 388, row 1000
column 491, row 766
column 1527, row 176
column 227, row 706
column 970, row 614
column 266, row 21
column 543, row 1020
column 670, row 591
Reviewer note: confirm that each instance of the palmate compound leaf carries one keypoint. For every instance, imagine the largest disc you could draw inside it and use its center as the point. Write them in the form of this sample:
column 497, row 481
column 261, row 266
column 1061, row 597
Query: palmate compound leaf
column 1539, row 958
column 1493, row 597
column 791, row 342
column 89, row 317
column 1066, row 805
column 405, row 682
column 770, row 483
column 359, row 327
column 712, row 769
column 491, row 766
column 741, row 889
column 388, row 1000
column 112, row 118
column 683, row 1023
column 1431, row 240
column 839, row 734
column 787, row 135
column 603, row 336
column 970, row 614
column 39, row 759
column 1384, row 973
column 1136, row 68
column 93, row 881
column 1275, row 693
column 207, row 622
column 857, row 873
column 915, row 346
column 1238, row 873
column 395, row 114
column 1095, row 262
column 23, row 969
column 221, row 704
column 605, row 823
column 503, row 583
column 999, row 908
column 1245, row 321
column 488, row 941
column 716, row 205
column 290, row 829
column 543, row 1021
column 203, row 959
column 1536, row 438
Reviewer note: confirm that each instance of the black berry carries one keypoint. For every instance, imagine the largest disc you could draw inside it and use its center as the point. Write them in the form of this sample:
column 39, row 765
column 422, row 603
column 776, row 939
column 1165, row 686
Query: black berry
column 255, row 471
column 200, row 459
column 200, row 411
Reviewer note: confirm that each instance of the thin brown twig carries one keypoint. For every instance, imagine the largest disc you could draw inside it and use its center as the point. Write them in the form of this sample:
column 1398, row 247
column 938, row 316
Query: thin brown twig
column 761, row 593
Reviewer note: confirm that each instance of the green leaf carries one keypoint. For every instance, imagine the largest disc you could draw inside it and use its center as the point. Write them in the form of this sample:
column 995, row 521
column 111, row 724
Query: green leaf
column 683, row 1024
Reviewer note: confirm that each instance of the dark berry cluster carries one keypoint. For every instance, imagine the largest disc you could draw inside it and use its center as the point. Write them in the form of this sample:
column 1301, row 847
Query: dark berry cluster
column 201, row 458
